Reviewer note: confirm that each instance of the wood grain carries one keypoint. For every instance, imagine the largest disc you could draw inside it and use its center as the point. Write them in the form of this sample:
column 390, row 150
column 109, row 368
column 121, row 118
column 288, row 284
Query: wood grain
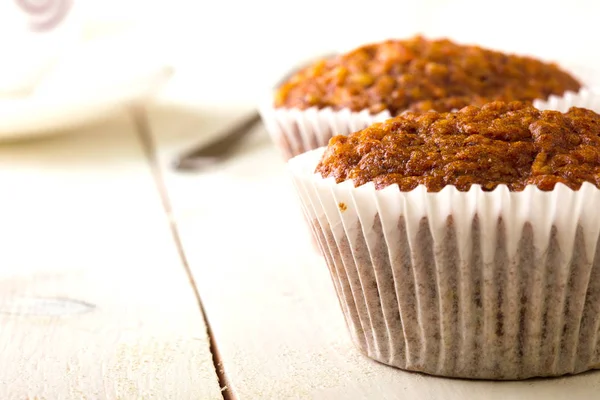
column 269, row 298
column 94, row 300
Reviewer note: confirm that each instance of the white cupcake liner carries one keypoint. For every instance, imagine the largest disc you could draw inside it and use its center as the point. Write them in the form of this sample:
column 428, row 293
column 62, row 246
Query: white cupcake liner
column 485, row 285
column 585, row 98
column 296, row 131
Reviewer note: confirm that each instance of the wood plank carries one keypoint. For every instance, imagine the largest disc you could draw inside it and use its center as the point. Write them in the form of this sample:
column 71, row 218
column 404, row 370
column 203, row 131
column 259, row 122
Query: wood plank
column 94, row 299
column 269, row 298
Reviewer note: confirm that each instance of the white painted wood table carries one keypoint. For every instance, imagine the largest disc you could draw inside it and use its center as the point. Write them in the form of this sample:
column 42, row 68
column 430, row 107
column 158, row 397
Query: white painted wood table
column 123, row 279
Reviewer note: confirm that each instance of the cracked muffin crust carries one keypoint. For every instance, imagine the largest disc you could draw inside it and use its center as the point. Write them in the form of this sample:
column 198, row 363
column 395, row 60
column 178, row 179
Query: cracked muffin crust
column 500, row 143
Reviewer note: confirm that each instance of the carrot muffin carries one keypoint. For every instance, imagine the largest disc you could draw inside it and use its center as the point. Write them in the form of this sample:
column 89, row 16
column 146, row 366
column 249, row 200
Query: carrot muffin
column 465, row 244
column 513, row 144
column 384, row 79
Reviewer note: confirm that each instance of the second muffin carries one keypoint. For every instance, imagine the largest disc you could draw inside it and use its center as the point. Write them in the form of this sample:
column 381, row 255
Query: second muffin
column 374, row 82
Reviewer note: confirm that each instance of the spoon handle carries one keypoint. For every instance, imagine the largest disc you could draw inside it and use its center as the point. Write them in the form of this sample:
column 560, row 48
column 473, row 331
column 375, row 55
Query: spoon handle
column 211, row 152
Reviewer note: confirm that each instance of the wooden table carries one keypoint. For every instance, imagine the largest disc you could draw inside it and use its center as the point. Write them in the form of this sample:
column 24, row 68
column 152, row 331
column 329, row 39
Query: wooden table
column 123, row 279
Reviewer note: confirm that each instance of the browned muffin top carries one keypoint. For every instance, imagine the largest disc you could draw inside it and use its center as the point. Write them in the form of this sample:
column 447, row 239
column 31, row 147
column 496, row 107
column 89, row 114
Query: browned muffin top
column 500, row 143
column 421, row 75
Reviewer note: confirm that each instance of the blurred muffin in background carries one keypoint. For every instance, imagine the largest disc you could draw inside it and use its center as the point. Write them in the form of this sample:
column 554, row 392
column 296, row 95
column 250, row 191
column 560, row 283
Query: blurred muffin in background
column 374, row 82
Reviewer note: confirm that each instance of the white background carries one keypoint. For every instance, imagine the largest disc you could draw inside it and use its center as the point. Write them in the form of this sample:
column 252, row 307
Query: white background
column 227, row 51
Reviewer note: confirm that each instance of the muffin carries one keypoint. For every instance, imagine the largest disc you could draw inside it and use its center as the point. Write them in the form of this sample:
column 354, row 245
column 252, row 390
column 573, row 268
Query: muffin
column 377, row 81
column 465, row 244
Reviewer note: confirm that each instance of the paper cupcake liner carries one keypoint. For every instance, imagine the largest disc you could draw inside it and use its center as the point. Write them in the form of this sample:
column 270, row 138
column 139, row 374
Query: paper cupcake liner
column 296, row 131
column 486, row 285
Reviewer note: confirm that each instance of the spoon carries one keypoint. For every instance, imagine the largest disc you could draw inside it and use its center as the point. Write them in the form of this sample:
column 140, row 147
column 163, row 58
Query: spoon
column 206, row 154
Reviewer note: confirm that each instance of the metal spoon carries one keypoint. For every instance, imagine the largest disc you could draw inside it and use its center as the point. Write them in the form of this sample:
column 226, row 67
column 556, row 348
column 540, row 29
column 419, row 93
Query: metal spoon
column 206, row 154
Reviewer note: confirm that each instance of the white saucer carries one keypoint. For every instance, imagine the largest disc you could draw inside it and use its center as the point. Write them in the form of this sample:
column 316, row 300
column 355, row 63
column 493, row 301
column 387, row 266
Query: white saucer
column 94, row 80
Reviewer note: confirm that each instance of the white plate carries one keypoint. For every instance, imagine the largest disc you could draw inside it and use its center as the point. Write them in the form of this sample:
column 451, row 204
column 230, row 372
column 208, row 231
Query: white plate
column 93, row 81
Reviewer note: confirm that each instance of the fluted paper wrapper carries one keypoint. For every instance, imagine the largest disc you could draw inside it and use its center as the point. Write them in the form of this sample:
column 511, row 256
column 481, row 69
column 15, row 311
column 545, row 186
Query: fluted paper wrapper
column 486, row 285
column 296, row 131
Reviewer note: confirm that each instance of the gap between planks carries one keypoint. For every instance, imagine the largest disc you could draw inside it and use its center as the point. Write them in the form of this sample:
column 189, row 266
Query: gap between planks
column 144, row 132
